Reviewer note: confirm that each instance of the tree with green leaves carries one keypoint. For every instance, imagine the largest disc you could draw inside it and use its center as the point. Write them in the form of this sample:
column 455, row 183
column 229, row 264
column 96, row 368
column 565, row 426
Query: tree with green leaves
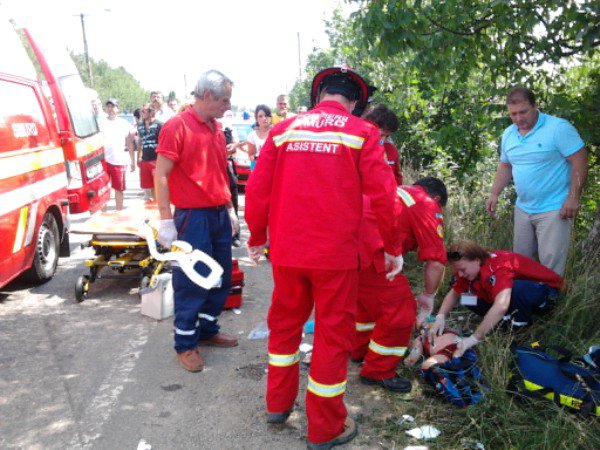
column 111, row 82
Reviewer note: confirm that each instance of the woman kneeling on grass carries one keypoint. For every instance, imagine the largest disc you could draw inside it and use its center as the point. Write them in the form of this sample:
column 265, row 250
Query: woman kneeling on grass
column 498, row 285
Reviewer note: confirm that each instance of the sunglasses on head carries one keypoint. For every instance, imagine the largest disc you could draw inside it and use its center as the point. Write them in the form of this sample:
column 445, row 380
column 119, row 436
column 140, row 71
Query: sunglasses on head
column 454, row 256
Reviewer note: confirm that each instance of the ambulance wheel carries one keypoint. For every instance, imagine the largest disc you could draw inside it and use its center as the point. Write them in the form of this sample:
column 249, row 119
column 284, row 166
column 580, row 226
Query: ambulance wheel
column 81, row 288
column 47, row 249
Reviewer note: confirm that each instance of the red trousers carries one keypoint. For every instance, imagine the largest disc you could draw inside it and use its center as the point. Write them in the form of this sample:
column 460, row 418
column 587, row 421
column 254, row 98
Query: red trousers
column 147, row 169
column 384, row 322
column 333, row 294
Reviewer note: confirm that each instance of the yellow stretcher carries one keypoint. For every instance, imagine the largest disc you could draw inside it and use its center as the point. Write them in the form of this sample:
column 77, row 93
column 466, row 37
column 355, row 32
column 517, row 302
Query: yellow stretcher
column 124, row 242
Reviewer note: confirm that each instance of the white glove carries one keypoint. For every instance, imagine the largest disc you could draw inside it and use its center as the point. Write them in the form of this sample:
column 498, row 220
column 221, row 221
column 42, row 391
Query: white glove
column 425, row 306
column 437, row 329
column 395, row 263
column 235, row 223
column 254, row 253
column 465, row 344
column 167, row 233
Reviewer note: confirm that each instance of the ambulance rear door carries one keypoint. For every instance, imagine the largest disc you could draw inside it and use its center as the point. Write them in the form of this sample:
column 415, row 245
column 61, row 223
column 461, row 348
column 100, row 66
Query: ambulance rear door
column 81, row 139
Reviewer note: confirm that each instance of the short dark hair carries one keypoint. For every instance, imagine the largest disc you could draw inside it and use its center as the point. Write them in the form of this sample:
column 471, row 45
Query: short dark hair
column 342, row 84
column 383, row 117
column 434, row 187
column 264, row 108
column 518, row 94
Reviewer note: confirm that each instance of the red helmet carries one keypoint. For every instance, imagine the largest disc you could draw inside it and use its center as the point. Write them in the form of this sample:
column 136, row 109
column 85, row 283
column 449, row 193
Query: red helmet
column 345, row 81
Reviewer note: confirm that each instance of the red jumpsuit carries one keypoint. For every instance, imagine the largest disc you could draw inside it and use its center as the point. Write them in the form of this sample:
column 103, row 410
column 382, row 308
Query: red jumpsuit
column 387, row 310
column 307, row 190
column 393, row 159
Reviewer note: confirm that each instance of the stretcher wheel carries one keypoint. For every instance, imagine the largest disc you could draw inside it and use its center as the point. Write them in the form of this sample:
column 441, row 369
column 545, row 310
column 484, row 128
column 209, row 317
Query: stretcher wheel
column 82, row 287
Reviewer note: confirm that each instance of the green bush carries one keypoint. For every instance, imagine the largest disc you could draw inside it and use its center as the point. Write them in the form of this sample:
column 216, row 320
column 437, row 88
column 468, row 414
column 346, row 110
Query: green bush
column 500, row 421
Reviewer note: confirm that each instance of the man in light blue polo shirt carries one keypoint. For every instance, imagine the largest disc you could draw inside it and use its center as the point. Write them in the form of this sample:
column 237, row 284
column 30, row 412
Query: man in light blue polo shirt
column 546, row 158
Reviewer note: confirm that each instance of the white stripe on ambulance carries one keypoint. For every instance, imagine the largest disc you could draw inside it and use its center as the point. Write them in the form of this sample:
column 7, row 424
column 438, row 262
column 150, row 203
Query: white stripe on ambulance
column 20, row 229
column 30, row 161
column 17, row 198
column 31, row 223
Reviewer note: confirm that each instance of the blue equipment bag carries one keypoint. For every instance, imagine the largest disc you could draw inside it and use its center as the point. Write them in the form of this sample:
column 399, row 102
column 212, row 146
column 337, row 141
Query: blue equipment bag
column 539, row 374
column 459, row 380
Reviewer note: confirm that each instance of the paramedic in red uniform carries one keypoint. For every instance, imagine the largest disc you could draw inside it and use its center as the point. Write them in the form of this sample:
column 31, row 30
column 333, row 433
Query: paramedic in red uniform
column 387, row 310
column 387, row 122
column 191, row 173
column 307, row 191
column 498, row 285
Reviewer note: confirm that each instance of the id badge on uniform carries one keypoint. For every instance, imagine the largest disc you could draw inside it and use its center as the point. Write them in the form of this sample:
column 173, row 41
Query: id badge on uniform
column 468, row 300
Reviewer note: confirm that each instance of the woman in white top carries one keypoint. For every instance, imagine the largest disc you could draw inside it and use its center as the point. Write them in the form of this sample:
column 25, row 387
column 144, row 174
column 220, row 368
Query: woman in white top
column 257, row 137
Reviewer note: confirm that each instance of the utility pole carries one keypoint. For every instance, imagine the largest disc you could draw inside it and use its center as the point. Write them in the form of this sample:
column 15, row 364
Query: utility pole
column 85, row 49
column 299, row 60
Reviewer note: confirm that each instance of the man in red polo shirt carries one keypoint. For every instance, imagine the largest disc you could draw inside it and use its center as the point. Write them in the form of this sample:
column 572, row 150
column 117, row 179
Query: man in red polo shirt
column 307, row 190
column 191, row 173
column 386, row 311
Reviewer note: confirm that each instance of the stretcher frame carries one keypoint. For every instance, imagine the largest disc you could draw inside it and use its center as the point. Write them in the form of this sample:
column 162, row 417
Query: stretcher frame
column 123, row 242
column 120, row 253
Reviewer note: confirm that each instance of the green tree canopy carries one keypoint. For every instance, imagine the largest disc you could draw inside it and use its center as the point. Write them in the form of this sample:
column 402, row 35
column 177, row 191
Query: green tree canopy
column 111, row 82
column 445, row 68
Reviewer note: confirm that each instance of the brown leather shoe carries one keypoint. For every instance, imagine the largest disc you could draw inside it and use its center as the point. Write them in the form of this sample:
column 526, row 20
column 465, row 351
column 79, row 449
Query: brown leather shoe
column 220, row 340
column 191, row 360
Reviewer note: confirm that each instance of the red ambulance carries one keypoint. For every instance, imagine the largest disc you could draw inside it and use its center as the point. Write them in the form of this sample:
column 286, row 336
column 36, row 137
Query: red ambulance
column 50, row 160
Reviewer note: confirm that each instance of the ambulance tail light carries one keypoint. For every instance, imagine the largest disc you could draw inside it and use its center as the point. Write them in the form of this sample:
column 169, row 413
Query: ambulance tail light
column 74, row 174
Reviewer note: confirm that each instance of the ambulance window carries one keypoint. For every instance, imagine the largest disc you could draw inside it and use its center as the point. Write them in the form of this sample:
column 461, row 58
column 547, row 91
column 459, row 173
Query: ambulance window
column 22, row 121
column 80, row 106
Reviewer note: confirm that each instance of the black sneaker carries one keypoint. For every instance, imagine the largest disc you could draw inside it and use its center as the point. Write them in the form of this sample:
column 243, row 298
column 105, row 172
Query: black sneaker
column 394, row 384
column 350, row 431
column 236, row 243
column 279, row 418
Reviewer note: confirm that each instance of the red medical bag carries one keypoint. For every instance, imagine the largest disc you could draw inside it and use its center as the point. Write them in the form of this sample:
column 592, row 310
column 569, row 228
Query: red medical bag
column 234, row 300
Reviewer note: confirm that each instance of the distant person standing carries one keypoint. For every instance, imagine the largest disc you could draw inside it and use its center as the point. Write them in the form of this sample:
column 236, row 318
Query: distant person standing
column 174, row 105
column 148, row 130
column 257, row 137
column 546, row 158
column 306, row 192
column 163, row 112
column 283, row 103
column 118, row 148
column 191, row 174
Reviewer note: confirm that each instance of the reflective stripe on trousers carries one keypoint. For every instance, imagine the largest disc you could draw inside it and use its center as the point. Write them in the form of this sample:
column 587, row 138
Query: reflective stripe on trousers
column 284, row 360
column 326, row 390
column 370, row 326
column 386, row 351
